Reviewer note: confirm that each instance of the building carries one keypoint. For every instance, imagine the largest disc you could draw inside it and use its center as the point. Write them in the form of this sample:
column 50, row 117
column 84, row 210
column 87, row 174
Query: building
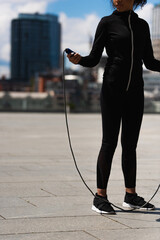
column 35, row 45
column 156, row 31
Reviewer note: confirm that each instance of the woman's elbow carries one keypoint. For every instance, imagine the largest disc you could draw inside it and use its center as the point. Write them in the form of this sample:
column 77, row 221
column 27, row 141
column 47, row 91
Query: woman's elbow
column 149, row 65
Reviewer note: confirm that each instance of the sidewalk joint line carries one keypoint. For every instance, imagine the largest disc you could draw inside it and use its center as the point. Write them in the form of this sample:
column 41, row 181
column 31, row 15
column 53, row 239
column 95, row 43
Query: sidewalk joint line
column 117, row 222
column 91, row 234
column 48, row 232
column 48, row 192
column 28, row 201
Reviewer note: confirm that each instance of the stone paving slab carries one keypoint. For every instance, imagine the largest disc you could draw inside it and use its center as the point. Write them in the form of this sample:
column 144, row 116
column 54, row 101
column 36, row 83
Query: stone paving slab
column 58, row 224
column 41, row 194
column 139, row 219
column 146, row 234
column 79, row 235
column 12, row 202
column 11, row 189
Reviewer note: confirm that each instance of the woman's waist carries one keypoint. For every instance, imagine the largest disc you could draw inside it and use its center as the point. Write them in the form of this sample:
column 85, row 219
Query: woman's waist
column 124, row 61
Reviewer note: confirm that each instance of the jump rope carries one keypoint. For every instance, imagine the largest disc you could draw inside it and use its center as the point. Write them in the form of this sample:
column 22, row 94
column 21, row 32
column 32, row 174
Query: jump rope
column 68, row 51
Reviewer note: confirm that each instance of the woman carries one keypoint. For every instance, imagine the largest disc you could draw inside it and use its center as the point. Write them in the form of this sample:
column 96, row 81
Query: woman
column 126, row 39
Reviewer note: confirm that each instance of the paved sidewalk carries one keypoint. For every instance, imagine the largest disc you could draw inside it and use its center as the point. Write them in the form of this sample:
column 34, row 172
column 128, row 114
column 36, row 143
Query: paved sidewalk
column 41, row 194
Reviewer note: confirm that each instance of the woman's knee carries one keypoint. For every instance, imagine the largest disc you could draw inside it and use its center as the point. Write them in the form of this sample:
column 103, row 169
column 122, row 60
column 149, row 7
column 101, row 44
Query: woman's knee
column 108, row 146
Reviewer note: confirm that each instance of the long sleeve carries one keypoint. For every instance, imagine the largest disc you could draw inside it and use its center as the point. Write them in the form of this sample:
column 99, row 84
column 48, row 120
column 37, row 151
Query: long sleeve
column 98, row 46
column 150, row 62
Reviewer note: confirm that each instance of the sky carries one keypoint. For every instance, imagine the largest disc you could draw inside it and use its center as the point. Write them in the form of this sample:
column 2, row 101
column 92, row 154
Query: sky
column 79, row 20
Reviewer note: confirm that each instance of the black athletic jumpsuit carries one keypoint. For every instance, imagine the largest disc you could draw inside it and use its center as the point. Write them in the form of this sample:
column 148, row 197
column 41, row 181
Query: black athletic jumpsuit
column 126, row 39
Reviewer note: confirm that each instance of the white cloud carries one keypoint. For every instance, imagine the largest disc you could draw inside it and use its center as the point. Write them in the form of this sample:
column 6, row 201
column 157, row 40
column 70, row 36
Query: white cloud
column 76, row 32
column 32, row 7
column 5, row 51
column 4, row 71
column 18, row 2
column 146, row 13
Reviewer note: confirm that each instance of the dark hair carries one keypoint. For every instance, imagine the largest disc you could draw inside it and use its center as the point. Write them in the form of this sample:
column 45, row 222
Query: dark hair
column 137, row 3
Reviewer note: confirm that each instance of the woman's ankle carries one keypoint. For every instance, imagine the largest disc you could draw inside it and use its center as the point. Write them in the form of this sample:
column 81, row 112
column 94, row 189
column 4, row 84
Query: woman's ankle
column 131, row 190
column 102, row 192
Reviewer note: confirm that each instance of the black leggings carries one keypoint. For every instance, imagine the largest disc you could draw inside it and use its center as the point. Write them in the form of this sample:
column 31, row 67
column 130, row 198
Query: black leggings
column 115, row 107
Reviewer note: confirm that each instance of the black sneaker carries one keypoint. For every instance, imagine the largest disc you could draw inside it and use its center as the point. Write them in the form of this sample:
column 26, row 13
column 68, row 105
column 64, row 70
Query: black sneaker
column 134, row 201
column 100, row 205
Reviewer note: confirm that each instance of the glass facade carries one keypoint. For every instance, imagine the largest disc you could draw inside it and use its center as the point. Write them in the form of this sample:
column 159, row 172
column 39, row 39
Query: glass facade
column 155, row 22
column 35, row 41
column 156, row 31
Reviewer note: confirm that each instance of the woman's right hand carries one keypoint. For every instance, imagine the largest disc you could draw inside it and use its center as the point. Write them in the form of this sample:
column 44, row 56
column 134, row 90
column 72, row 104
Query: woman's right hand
column 74, row 58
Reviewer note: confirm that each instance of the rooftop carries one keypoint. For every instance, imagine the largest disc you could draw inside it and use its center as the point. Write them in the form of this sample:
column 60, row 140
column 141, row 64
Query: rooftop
column 38, row 16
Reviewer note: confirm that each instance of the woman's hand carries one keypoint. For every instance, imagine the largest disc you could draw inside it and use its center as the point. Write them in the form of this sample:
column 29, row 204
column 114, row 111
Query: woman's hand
column 74, row 58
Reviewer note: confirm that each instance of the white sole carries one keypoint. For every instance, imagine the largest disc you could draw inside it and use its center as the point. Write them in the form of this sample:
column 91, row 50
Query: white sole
column 130, row 206
column 100, row 211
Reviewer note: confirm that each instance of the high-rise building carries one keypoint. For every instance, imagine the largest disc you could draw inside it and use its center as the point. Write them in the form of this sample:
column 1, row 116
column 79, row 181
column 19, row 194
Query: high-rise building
column 156, row 31
column 35, row 45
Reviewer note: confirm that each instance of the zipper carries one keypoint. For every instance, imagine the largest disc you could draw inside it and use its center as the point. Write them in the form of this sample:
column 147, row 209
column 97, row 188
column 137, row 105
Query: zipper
column 132, row 51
